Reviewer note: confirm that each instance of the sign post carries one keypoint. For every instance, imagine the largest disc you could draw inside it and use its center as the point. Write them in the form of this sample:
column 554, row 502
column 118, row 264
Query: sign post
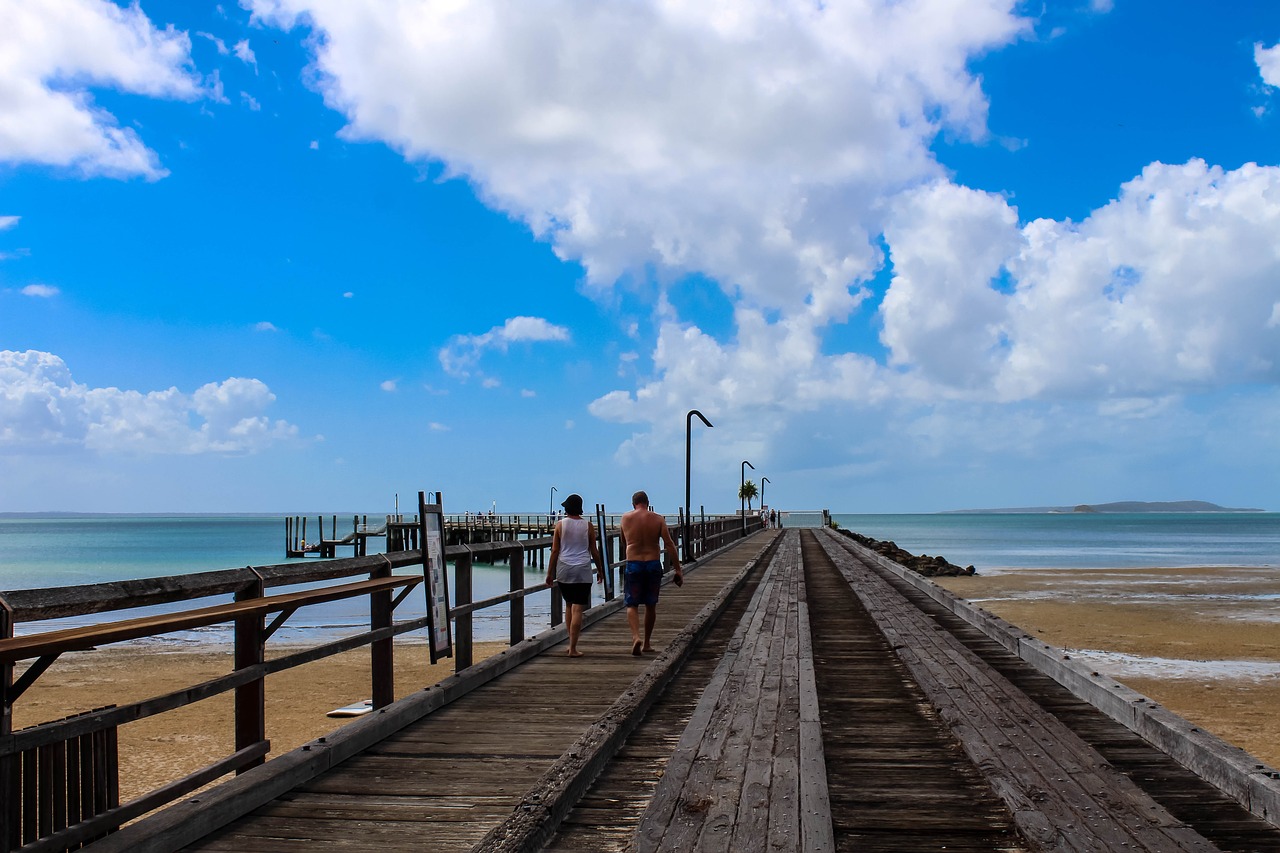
column 431, row 538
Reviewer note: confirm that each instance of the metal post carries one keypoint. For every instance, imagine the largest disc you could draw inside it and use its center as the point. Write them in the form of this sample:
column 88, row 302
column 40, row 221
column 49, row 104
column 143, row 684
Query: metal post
column 742, row 501
column 688, row 455
column 763, row 480
column 551, row 505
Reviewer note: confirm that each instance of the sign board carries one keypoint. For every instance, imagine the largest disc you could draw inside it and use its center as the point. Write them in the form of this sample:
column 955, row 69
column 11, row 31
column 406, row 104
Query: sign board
column 435, row 577
column 604, row 552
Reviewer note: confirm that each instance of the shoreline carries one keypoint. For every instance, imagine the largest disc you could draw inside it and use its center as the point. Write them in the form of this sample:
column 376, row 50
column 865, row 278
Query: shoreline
column 1203, row 641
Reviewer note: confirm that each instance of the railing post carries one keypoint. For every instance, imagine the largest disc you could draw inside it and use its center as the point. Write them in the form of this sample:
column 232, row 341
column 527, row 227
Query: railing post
column 250, row 700
column 557, row 606
column 516, row 567
column 462, row 594
column 381, row 652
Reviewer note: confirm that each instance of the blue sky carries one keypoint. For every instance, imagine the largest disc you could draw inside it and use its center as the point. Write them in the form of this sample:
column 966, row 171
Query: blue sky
column 305, row 255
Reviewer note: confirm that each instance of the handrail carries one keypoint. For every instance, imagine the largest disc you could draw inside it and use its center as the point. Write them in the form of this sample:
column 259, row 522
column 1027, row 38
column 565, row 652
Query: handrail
column 251, row 667
column 86, row 637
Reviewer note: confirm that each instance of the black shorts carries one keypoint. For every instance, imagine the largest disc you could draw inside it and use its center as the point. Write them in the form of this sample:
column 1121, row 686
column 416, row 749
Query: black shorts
column 575, row 593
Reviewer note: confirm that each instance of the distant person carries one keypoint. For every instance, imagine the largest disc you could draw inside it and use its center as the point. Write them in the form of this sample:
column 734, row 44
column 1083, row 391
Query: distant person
column 644, row 531
column 773, row 518
column 573, row 551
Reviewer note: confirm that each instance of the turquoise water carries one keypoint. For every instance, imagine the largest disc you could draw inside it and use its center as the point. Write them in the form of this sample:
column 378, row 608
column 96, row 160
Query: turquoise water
column 59, row 551
column 995, row 541
column 64, row 551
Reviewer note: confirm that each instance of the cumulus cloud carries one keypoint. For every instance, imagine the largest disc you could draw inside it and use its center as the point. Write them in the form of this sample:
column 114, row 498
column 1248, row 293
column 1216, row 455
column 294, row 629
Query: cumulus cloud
column 462, row 353
column 782, row 149
column 41, row 405
column 390, row 385
column 1268, row 59
column 40, row 291
column 53, row 52
column 748, row 141
column 265, row 326
column 1168, row 289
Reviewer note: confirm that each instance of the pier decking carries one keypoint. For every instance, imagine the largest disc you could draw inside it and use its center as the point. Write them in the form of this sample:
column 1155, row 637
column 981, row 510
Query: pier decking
column 806, row 696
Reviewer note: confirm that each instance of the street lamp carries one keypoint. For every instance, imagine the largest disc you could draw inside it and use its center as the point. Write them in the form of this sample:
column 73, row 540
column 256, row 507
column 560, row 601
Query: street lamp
column 551, row 505
column 742, row 499
column 763, row 480
column 688, row 507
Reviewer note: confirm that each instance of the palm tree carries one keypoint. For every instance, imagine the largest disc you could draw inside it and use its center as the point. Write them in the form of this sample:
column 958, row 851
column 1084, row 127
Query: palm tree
column 748, row 492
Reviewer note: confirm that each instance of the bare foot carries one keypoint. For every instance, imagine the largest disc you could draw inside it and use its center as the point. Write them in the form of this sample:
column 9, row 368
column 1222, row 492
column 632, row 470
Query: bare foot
column 635, row 648
column 574, row 654
column 648, row 650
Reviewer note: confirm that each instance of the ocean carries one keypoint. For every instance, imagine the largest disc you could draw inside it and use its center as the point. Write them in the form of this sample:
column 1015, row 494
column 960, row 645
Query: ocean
column 40, row 552
column 994, row 542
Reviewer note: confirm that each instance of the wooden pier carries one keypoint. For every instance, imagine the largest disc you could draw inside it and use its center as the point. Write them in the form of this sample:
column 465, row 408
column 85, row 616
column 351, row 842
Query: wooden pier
column 808, row 695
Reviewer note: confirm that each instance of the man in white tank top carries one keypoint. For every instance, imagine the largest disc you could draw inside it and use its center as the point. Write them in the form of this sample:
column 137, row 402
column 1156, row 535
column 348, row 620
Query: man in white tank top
column 573, row 551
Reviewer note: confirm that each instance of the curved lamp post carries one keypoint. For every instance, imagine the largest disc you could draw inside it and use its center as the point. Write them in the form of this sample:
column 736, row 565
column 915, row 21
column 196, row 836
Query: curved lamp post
column 742, row 500
column 763, row 480
column 688, row 441
column 551, row 505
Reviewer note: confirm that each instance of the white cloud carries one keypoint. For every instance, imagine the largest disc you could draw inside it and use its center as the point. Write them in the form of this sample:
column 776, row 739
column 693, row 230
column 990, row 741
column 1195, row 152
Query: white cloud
column 1268, row 60
column 348, row 295
column 774, row 146
column 7, row 222
column 41, row 405
column 490, row 382
column 245, row 54
column 389, row 385
column 219, row 44
column 462, row 353
column 315, row 145
column 52, row 52
column 250, row 101
column 528, row 393
column 437, row 427
column 1168, row 289
column 265, row 326
column 746, row 140
column 40, row 291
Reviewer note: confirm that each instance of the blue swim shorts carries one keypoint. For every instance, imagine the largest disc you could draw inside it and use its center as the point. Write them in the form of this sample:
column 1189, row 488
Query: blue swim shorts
column 643, row 580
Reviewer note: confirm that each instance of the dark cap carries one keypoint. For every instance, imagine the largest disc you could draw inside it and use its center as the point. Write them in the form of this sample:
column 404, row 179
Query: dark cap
column 573, row 504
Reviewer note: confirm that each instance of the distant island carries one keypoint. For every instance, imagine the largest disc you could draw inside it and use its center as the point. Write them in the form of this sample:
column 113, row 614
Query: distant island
column 1123, row 506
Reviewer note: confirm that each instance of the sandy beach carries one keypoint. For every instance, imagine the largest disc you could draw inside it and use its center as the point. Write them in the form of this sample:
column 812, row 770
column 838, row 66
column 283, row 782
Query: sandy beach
column 171, row 745
column 1203, row 642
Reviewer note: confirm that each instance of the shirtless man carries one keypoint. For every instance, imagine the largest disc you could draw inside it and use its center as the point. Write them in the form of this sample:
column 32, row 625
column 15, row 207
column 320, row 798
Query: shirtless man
column 644, row 532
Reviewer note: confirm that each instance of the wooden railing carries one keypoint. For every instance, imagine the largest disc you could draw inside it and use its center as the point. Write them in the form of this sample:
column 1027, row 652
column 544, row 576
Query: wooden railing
column 58, row 780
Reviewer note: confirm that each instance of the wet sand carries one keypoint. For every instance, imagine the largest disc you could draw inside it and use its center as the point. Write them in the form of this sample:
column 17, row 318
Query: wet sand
column 169, row 746
column 1227, row 617
column 1182, row 614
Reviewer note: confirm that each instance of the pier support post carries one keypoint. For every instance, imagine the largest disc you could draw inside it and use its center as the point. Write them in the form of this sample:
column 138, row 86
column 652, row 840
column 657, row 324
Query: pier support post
column 516, row 561
column 250, row 699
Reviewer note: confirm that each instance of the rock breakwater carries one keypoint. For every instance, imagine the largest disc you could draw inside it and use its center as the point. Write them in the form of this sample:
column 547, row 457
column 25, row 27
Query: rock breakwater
column 930, row 567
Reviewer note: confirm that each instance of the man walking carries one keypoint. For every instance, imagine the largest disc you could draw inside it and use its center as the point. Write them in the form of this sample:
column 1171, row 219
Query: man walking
column 643, row 532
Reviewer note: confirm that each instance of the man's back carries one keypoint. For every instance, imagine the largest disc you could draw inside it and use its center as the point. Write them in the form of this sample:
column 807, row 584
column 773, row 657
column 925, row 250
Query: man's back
column 642, row 530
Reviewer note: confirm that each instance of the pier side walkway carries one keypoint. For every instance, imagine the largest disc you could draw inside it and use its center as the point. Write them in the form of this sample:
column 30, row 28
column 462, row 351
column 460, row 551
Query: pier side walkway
column 450, row 779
